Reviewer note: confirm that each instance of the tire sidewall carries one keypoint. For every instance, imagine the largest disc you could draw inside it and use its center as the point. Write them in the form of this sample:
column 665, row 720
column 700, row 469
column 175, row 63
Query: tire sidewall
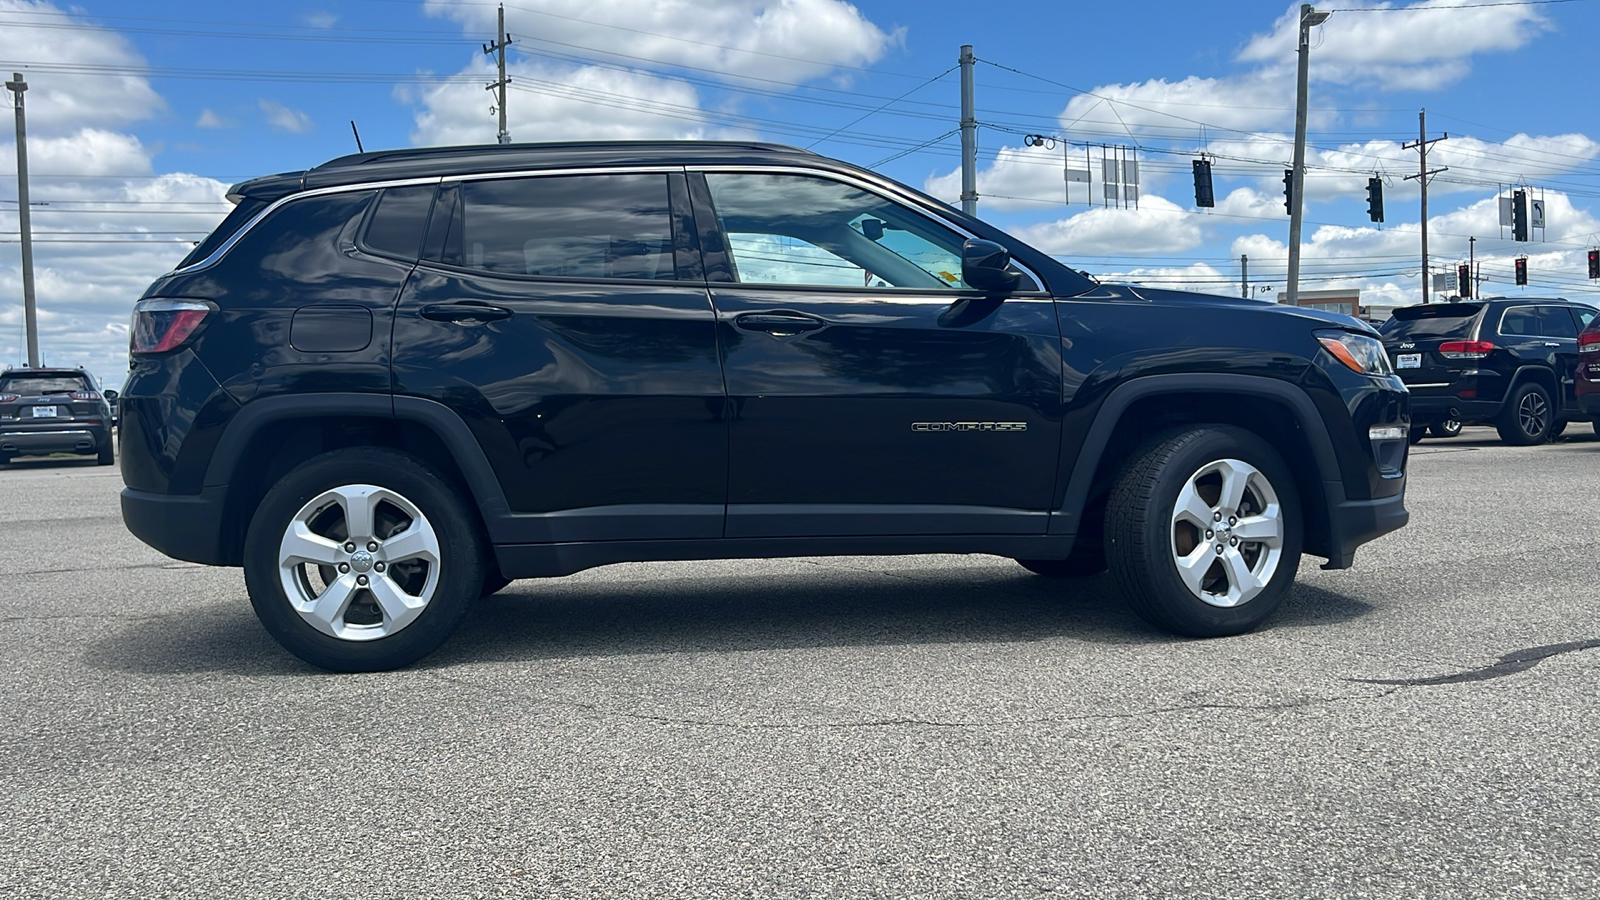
column 461, row 562
column 1166, row 598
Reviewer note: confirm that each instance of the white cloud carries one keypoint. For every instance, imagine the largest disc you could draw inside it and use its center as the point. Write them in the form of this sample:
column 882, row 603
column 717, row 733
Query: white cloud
column 209, row 119
column 62, row 102
column 1158, row 226
column 1029, row 173
column 1254, row 101
column 1409, row 48
column 548, row 103
column 786, row 40
column 285, row 119
column 321, row 19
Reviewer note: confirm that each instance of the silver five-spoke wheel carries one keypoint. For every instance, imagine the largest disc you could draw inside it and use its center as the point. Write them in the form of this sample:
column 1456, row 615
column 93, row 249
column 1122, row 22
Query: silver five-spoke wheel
column 1227, row 532
column 359, row 562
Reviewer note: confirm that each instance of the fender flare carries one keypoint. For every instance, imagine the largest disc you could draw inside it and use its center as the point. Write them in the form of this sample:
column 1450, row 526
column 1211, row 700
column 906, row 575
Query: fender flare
column 448, row 427
column 1080, row 481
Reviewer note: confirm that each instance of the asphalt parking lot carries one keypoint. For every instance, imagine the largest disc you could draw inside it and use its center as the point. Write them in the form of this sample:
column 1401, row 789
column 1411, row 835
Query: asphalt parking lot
column 1422, row 725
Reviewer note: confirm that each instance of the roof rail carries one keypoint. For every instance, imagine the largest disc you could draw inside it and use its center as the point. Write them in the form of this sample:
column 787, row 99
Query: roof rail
column 418, row 153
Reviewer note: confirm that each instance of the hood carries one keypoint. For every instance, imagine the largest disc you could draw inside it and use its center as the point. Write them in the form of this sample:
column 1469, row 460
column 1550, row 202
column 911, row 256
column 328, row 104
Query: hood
column 1191, row 298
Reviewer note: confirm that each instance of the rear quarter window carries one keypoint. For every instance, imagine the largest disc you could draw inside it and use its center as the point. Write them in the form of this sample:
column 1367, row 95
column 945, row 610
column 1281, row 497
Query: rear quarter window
column 399, row 220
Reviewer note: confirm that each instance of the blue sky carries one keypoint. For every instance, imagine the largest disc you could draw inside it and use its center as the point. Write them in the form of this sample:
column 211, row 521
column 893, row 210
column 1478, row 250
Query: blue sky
column 140, row 114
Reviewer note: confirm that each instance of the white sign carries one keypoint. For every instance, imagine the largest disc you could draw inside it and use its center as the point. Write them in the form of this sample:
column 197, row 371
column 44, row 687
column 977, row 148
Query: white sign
column 1535, row 213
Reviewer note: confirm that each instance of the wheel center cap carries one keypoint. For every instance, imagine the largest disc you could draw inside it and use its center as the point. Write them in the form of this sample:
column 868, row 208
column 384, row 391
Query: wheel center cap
column 361, row 561
column 1224, row 530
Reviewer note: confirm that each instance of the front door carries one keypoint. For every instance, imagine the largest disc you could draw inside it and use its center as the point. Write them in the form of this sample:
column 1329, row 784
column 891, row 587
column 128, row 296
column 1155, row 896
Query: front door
column 872, row 391
column 565, row 319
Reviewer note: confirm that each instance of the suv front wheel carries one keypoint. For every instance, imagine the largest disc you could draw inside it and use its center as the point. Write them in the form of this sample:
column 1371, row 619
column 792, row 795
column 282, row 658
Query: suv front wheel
column 362, row 559
column 1203, row 531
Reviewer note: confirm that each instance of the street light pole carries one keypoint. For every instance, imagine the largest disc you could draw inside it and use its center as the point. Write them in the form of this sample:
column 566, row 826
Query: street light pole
column 1308, row 18
column 29, row 311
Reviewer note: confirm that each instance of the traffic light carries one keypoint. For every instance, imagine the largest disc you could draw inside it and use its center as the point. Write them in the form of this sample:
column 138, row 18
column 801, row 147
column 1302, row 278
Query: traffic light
column 1203, row 195
column 1594, row 263
column 1522, row 270
column 1519, row 216
column 1375, row 199
column 1288, row 191
column 1464, row 281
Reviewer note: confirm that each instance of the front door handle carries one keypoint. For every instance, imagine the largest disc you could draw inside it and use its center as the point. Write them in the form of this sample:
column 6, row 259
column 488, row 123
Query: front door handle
column 779, row 323
column 465, row 313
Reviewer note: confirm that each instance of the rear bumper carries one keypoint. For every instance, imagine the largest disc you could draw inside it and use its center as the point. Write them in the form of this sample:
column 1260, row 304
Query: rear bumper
column 67, row 439
column 1355, row 522
column 186, row 527
column 1426, row 410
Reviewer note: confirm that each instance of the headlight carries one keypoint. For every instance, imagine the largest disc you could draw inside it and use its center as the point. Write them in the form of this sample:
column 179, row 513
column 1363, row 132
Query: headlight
column 1361, row 352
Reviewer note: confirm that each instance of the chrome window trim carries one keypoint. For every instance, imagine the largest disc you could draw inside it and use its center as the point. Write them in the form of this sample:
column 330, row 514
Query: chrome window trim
column 283, row 201
column 888, row 190
column 614, row 169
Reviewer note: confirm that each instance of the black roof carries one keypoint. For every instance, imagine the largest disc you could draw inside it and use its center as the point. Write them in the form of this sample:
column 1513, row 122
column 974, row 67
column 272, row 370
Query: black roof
column 422, row 162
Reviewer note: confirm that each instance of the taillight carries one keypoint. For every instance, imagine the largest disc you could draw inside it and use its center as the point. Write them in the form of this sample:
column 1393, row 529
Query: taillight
column 162, row 325
column 1589, row 342
column 86, row 395
column 1466, row 349
column 10, row 398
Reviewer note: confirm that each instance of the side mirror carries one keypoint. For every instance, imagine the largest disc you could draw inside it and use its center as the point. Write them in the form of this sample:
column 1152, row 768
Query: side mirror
column 110, row 395
column 985, row 265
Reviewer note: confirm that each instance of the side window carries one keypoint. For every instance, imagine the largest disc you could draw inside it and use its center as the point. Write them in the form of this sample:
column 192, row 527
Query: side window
column 1519, row 320
column 802, row 230
column 566, row 226
column 398, row 222
column 1584, row 315
column 1555, row 321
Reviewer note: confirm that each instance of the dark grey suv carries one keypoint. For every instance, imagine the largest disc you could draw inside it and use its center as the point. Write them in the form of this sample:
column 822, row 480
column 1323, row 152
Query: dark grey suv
column 54, row 411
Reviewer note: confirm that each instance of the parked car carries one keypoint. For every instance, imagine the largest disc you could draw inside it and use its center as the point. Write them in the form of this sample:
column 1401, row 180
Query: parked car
column 45, row 411
column 1499, row 361
column 389, row 384
column 1586, row 374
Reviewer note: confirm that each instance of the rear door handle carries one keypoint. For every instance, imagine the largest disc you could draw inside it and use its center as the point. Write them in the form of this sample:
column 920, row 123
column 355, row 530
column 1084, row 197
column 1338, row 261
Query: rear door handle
column 465, row 313
column 779, row 323
column 1552, row 343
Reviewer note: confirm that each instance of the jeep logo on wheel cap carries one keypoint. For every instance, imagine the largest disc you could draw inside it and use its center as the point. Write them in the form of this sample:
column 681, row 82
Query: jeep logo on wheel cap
column 361, row 561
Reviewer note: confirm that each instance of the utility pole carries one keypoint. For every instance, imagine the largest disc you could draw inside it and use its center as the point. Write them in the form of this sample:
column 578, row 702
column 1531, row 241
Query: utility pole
column 969, row 136
column 502, row 41
column 1472, row 265
column 1308, row 18
column 1423, row 172
column 1244, row 276
column 30, row 315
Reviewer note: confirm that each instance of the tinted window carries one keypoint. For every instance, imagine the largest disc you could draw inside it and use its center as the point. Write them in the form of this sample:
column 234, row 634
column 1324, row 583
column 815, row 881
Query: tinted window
column 1520, row 320
column 1584, row 315
column 1433, row 321
column 1555, row 321
column 243, row 213
column 569, row 226
column 800, row 230
column 35, row 385
column 399, row 220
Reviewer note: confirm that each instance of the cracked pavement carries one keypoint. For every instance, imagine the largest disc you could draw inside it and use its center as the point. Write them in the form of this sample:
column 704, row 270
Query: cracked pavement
column 935, row 726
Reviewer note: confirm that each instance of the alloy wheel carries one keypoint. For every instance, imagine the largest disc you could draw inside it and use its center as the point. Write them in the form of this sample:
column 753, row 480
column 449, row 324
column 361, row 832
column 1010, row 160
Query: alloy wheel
column 1227, row 533
column 1533, row 414
column 359, row 562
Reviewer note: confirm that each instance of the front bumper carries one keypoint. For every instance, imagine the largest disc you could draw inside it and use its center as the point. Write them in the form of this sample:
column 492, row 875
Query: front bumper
column 183, row 526
column 67, row 439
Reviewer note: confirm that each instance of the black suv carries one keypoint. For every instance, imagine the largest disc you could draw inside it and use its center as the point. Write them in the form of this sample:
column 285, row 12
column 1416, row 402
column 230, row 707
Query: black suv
column 1500, row 361
column 389, row 384
column 46, row 411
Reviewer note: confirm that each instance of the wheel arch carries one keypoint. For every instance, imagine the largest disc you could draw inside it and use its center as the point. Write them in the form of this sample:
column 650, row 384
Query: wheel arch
column 268, row 437
column 1140, row 407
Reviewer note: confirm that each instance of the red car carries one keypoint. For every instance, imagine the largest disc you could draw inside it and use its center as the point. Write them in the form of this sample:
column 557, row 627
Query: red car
column 1586, row 378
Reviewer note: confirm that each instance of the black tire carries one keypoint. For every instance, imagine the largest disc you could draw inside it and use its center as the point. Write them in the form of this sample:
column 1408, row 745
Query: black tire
column 1527, row 417
column 5, row 458
column 106, row 455
column 1142, row 536
column 1557, row 429
column 456, row 575
column 1416, row 433
column 1449, row 428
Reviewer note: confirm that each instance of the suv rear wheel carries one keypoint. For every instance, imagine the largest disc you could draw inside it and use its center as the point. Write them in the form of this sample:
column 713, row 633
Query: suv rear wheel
column 1203, row 531
column 1527, row 417
column 362, row 559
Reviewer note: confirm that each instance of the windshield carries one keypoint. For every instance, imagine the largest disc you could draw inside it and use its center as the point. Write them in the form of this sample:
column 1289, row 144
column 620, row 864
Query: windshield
column 1444, row 320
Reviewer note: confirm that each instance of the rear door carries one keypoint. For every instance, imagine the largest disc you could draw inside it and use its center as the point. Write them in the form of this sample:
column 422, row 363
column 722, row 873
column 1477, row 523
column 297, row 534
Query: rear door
column 873, row 391
column 565, row 319
column 1560, row 333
